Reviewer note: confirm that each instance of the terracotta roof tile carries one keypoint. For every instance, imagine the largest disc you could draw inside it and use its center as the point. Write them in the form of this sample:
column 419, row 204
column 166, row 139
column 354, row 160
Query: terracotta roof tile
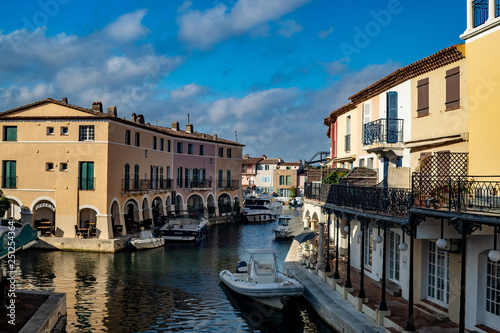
column 252, row 160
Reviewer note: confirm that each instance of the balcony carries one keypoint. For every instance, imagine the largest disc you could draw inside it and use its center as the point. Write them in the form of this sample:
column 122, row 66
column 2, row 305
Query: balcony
column 384, row 201
column 198, row 184
column 228, row 184
column 383, row 134
column 146, row 185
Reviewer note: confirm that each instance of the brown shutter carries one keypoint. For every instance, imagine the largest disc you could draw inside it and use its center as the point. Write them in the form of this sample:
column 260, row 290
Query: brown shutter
column 453, row 88
column 423, row 97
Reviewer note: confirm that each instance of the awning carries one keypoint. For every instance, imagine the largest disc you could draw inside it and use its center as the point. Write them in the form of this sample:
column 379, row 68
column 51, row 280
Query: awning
column 347, row 158
column 438, row 141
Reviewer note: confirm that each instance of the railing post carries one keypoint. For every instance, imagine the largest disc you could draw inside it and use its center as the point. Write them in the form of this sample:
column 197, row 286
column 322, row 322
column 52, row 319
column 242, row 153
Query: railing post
column 459, row 194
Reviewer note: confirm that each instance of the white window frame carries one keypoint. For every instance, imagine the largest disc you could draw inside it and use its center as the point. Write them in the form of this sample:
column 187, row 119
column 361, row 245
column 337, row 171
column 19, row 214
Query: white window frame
column 433, row 288
column 86, row 133
column 368, row 247
column 394, row 260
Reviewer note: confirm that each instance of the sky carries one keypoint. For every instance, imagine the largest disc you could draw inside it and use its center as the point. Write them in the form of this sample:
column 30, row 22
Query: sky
column 269, row 70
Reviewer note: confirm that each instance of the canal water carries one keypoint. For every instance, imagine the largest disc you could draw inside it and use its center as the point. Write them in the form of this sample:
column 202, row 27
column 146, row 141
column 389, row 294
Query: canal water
column 170, row 289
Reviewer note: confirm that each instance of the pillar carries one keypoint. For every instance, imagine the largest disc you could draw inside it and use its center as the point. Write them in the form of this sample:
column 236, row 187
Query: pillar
column 470, row 15
column 348, row 283
column 492, row 9
column 321, row 249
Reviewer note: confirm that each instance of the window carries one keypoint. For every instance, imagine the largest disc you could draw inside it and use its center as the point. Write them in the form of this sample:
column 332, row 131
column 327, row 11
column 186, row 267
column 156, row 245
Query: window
column 154, row 142
column 210, row 160
column 368, row 246
column 370, row 163
column 87, row 133
column 49, row 166
column 423, row 97
column 9, row 174
column 168, row 172
column 438, row 274
column 266, row 167
column 228, row 152
column 50, row 130
column 86, row 177
column 219, row 181
column 179, row 147
column 493, row 290
column 137, row 139
column 228, row 173
column 127, row 137
column 453, row 88
column 126, row 177
column 169, row 146
column 64, row 130
column 10, row 133
column 288, row 180
column 394, row 255
column 348, row 134
column 63, row 166
column 282, row 180
column 202, row 150
column 367, row 112
column 179, row 177
column 162, row 144
column 361, row 162
column 262, row 179
column 221, row 152
column 190, row 148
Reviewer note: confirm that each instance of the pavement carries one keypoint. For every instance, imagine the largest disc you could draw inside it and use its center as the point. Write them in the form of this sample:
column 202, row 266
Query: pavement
column 337, row 312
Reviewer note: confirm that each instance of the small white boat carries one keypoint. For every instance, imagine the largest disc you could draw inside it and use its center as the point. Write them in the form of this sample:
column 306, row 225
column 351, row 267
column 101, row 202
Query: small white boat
column 262, row 281
column 184, row 228
column 282, row 229
column 261, row 209
column 146, row 241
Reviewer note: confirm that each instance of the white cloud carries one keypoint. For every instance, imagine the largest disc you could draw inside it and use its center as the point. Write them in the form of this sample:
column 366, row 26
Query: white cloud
column 325, row 33
column 189, row 90
column 336, row 67
column 128, row 27
column 185, row 6
column 214, row 25
column 289, row 28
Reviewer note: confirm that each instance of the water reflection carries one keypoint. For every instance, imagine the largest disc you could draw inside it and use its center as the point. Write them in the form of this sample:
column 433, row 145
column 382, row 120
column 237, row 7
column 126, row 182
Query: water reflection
column 175, row 288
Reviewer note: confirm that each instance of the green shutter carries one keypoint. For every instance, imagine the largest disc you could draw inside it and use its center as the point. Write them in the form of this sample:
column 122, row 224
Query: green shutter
column 9, row 168
column 11, row 133
column 228, row 178
column 83, row 175
column 90, row 175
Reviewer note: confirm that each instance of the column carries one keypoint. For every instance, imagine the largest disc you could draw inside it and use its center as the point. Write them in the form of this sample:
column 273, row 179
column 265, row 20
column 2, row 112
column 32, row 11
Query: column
column 364, row 223
column 321, row 249
column 383, row 303
column 348, row 283
column 470, row 15
column 410, row 324
column 461, row 324
column 336, row 275
column 492, row 9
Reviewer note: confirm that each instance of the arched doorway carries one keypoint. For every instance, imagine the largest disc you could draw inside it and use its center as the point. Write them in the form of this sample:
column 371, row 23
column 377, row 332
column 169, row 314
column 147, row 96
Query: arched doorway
column 45, row 215
column 211, row 206
column 115, row 220
column 131, row 210
column 224, row 203
column 178, row 204
column 195, row 204
column 14, row 211
column 157, row 210
column 169, row 206
column 88, row 219
column 146, row 214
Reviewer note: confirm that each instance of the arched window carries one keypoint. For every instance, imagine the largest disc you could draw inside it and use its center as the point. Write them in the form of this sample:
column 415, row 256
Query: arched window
column 136, row 177
column 127, row 176
column 228, row 178
column 219, row 181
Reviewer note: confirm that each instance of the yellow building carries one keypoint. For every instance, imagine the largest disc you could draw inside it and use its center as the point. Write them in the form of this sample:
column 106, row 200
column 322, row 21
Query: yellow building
column 66, row 167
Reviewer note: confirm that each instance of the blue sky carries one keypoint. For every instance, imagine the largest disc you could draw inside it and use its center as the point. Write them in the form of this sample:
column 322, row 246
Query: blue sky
column 271, row 70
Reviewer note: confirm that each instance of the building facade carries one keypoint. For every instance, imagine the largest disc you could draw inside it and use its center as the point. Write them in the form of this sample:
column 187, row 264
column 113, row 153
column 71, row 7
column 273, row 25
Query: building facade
column 67, row 166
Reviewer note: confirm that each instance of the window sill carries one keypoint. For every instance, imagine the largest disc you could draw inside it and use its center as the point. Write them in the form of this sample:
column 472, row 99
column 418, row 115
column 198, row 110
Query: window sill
column 453, row 109
column 424, row 115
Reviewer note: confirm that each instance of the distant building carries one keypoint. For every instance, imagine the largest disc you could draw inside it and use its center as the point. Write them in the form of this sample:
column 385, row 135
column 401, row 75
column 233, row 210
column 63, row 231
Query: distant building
column 286, row 176
column 249, row 171
column 264, row 179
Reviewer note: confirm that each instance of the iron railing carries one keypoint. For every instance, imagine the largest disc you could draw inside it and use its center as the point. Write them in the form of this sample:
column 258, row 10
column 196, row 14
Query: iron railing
column 228, row 183
column 348, row 142
column 385, row 201
column 383, row 131
column 196, row 183
column 146, row 185
column 457, row 193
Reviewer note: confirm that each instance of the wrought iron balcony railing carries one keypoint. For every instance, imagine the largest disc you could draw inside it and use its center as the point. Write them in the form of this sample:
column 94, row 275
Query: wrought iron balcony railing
column 228, row 183
column 383, row 131
column 196, row 183
column 146, row 185
column 386, row 201
column 457, row 193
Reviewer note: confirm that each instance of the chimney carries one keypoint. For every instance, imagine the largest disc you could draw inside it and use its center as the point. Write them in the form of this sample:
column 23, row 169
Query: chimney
column 148, row 124
column 65, row 100
column 246, row 156
column 97, row 106
column 189, row 128
column 140, row 119
column 215, row 136
column 112, row 111
column 175, row 125
column 264, row 156
column 134, row 117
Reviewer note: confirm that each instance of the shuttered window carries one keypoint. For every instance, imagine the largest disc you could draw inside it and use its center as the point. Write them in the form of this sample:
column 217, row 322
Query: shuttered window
column 367, row 112
column 453, row 88
column 10, row 133
column 86, row 175
column 9, row 174
column 423, row 97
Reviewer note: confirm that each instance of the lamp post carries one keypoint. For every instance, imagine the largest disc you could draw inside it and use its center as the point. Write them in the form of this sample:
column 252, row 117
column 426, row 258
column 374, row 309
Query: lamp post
column 327, row 268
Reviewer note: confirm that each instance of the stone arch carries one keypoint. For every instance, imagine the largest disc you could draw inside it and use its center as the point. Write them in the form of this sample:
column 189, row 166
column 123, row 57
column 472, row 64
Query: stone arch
column 131, row 215
column 157, row 210
column 315, row 222
column 307, row 219
column 44, row 212
column 115, row 218
column 195, row 204
column 168, row 204
column 224, row 203
column 87, row 218
column 15, row 208
column 146, row 213
column 179, row 203
column 42, row 198
column 211, row 208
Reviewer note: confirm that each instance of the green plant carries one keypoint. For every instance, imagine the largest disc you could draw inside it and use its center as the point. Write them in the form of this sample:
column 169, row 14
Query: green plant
column 4, row 205
column 293, row 192
column 334, row 177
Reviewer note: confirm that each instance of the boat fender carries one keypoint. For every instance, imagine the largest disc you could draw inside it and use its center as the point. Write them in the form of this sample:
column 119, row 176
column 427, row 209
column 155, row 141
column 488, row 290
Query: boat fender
column 286, row 283
column 242, row 267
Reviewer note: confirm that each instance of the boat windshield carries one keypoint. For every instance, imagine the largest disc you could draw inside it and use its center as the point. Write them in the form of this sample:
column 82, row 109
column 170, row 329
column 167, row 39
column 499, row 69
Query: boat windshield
column 282, row 221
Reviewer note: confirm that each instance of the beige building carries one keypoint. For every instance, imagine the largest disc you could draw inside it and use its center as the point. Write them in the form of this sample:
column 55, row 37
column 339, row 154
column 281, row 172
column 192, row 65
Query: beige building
column 65, row 167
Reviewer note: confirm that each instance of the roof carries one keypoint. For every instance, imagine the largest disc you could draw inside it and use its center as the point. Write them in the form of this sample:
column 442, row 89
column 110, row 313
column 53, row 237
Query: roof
column 102, row 115
column 439, row 59
column 270, row 161
column 252, row 160
column 291, row 164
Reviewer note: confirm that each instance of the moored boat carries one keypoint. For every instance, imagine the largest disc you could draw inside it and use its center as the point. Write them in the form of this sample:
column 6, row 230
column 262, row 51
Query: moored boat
column 261, row 209
column 282, row 229
column 262, row 281
column 184, row 228
column 146, row 241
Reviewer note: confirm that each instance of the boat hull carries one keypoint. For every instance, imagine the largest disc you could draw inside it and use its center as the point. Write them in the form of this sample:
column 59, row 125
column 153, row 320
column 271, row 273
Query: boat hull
column 143, row 244
column 275, row 294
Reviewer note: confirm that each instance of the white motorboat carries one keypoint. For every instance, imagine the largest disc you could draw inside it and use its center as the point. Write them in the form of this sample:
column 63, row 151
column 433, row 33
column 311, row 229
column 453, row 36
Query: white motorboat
column 261, row 209
column 261, row 280
column 285, row 226
column 146, row 241
column 184, row 228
